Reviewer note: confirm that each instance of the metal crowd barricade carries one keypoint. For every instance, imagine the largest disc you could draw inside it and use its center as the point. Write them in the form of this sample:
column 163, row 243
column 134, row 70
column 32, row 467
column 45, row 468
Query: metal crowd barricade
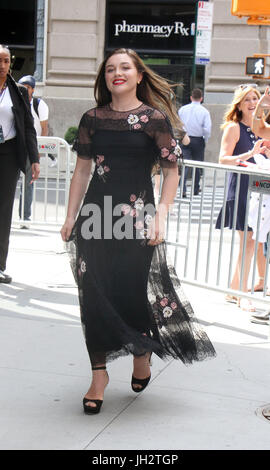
column 50, row 191
column 203, row 255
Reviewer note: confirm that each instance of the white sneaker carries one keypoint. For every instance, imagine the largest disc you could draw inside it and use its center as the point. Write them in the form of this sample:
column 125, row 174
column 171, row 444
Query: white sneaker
column 53, row 163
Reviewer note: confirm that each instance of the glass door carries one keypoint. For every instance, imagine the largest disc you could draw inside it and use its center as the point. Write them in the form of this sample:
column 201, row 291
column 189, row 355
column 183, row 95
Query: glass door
column 179, row 71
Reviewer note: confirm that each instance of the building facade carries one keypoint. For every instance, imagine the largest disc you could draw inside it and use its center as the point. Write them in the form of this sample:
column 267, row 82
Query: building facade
column 70, row 38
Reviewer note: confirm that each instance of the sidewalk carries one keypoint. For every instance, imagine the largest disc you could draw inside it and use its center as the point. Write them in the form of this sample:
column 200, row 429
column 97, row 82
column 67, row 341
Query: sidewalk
column 45, row 370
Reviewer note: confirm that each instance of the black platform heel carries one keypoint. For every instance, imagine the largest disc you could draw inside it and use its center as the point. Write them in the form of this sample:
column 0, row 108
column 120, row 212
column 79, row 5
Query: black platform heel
column 91, row 410
column 142, row 382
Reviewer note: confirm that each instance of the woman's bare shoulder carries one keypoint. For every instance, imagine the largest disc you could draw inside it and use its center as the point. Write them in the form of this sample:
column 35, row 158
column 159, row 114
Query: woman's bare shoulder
column 232, row 130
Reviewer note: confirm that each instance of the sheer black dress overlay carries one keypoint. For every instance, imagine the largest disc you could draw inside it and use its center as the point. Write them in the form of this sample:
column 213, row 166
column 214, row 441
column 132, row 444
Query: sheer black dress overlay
column 131, row 301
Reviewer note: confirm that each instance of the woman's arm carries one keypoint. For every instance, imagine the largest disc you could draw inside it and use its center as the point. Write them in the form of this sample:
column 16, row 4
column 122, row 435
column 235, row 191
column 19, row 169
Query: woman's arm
column 30, row 132
column 169, row 187
column 44, row 127
column 78, row 186
column 229, row 140
column 186, row 140
column 30, row 136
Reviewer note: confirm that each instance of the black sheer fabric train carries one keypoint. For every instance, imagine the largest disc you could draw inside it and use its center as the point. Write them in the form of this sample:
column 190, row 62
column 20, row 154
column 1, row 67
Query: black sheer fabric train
column 131, row 302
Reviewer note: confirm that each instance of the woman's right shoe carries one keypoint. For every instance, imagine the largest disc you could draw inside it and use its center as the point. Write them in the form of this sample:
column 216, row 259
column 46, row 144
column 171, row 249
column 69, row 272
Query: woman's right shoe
column 142, row 382
column 91, row 410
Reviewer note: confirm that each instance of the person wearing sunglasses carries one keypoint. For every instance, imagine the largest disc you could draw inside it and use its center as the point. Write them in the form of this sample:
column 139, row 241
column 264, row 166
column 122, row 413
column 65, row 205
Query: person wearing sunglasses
column 238, row 145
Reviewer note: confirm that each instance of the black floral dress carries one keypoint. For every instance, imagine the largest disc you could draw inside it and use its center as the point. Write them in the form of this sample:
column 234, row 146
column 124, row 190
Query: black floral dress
column 131, row 302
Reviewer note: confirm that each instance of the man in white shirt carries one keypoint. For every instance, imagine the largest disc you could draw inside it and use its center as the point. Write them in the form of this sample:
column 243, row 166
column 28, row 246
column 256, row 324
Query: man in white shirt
column 40, row 113
column 197, row 123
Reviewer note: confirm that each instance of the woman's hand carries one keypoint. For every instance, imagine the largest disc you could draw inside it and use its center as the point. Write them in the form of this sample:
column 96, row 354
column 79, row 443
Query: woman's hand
column 264, row 101
column 156, row 230
column 67, row 228
column 258, row 148
column 35, row 172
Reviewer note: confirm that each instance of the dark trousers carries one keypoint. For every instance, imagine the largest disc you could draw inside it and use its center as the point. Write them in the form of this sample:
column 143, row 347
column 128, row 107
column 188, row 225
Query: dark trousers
column 9, row 173
column 194, row 151
column 28, row 193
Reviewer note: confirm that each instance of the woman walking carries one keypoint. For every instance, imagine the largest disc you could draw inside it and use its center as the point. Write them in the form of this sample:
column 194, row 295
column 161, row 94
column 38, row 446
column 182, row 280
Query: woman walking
column 130, row 302
column 17, row 140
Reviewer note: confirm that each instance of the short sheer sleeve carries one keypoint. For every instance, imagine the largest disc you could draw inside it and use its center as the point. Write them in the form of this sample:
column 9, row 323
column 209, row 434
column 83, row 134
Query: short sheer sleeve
column 83, row 142
column 160, row 129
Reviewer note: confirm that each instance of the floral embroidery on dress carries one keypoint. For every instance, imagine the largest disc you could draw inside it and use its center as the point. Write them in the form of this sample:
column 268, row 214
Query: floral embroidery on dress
column 135, row 206
column 172, row 153
column 102, row 169
column 138, row 121
column 81, row 267
column 135, row 210
column 132, row 119
column 145, row 227
column 164, row 309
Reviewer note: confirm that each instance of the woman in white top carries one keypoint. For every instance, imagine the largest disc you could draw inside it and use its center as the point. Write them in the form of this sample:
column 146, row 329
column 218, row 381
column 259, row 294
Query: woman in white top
column 17, row 140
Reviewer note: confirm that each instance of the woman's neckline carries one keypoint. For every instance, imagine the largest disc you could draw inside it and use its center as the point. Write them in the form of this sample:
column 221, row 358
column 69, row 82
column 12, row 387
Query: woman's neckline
column 246, row 125
column 127, row 111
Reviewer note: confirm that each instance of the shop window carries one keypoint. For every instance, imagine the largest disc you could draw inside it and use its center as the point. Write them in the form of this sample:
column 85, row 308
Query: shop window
column 18, row 31
column 151, row 27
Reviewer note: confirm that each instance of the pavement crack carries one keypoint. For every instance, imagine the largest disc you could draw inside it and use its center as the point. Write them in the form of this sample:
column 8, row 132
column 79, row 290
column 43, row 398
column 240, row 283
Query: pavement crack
column 124, row 409
column 109, row 423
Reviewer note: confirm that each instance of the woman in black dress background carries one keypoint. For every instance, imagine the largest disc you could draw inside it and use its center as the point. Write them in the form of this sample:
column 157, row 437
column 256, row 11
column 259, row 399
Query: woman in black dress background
column 131, row 302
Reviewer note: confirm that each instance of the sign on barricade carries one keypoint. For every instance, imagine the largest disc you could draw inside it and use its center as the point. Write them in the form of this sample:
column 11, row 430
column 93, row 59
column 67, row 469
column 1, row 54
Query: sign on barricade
column 48, row 146
column 259, row 184
column 50, row 192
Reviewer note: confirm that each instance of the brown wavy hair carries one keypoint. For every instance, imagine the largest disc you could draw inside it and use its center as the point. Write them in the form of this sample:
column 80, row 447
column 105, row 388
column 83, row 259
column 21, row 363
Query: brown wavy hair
column 152, row 90
column 233, row 114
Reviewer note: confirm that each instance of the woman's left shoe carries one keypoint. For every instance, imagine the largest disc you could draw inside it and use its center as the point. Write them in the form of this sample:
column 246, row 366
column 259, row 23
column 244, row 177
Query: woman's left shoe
column 260, row 286
column 5, row 278
column 233, row 299
column 141, row 382
column 91, row 410
column 88, row 409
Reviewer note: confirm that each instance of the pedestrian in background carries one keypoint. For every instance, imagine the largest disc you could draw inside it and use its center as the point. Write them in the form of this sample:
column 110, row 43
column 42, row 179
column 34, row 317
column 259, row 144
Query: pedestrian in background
column 131, row 303
column 40, row 113
column 262, row 163
column 17, row 140
column 197, row 123
column 238, row 145
column 261, row 127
